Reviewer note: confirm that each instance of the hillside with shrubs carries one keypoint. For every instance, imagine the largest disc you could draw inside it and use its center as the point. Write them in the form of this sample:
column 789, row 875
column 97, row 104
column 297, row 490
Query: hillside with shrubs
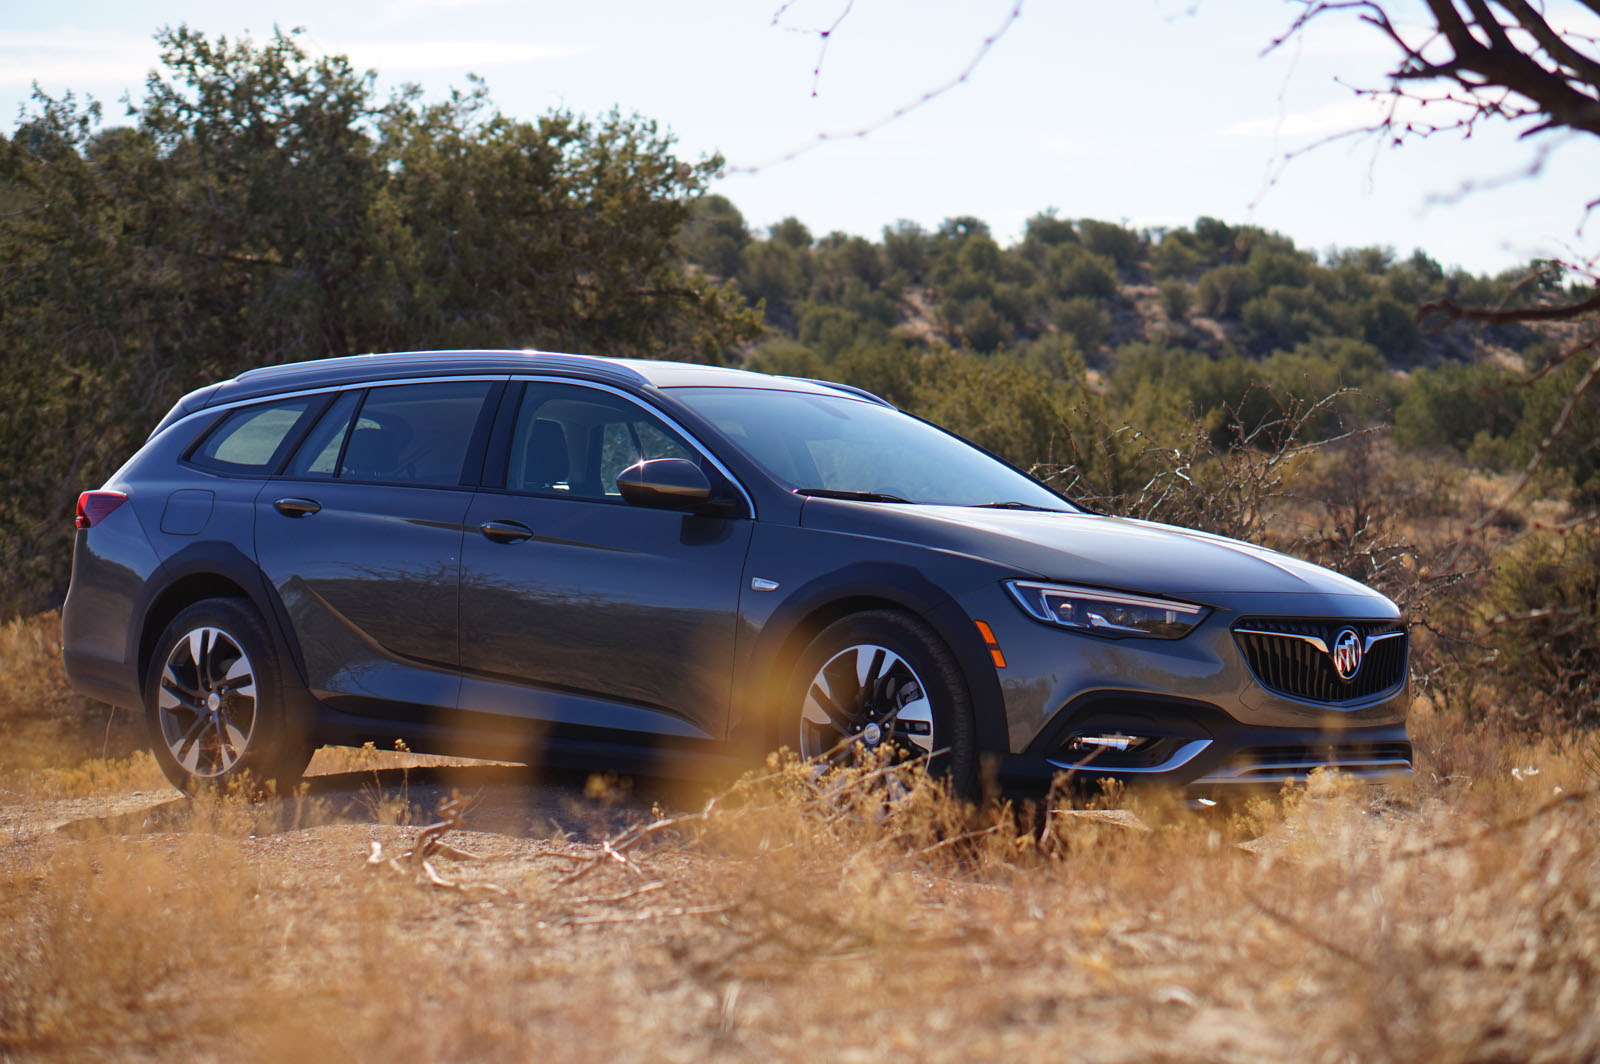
column 263, row 205
column 1330, row 404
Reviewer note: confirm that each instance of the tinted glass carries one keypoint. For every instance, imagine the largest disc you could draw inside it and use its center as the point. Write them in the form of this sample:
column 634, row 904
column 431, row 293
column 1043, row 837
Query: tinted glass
column 571, row 440
column 249, row 439
column 413, row 433
column 835, row 443
column 318, row 456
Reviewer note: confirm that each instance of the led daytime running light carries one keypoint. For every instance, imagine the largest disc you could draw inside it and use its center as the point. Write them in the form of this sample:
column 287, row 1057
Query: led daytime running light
column 1106, row 613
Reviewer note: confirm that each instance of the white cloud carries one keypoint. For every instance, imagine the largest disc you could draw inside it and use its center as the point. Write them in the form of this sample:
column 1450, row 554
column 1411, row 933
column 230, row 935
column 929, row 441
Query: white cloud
column 65, row 39
column 97, row 62
column 390, row 56
column 405, row 9
column 1356, row 113
column 69, row 57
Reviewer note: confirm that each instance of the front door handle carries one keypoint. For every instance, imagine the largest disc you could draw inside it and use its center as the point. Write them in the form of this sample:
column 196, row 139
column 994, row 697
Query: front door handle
column 297, row 507
column 505, row 531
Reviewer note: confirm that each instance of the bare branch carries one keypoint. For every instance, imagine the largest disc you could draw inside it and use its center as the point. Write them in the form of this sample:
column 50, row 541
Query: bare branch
column 1579, row 64
column 898, row 113
column 1453, row 312
column 825, row 38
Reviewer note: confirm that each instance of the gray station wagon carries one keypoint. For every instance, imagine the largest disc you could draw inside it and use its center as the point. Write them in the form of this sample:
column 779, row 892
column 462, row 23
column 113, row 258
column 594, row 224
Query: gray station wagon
column 651, row 566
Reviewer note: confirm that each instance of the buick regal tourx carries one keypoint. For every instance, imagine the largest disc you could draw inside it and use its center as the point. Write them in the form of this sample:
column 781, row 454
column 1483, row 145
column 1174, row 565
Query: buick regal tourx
column 645, row 565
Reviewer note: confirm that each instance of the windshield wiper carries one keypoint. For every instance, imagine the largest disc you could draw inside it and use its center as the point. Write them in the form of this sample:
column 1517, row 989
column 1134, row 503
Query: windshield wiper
column 854, row 496
column 1012, row 505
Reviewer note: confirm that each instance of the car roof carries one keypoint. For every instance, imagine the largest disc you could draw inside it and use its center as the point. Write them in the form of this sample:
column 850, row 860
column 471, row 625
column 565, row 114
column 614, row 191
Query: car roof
column 635, row 373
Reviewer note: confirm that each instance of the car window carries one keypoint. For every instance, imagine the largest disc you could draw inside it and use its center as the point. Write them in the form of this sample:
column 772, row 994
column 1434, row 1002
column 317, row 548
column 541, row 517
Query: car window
column 248, row 440
column 571, row 440
column 841, row 444
column 413, row 433
column 318, row 456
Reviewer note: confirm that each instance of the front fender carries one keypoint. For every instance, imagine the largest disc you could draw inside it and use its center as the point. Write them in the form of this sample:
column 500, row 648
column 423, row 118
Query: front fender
column 776, row 626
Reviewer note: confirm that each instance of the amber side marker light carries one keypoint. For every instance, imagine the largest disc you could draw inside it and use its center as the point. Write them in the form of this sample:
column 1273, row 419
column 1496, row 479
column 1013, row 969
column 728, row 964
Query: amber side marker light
column 992, row 643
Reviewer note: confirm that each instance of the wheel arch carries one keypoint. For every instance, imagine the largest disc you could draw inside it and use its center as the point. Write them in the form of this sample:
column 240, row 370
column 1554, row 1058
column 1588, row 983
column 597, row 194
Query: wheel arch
column 858, row 589
column 204, row 571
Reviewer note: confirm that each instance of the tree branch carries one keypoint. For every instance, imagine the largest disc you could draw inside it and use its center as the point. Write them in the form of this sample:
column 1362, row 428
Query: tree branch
column 1453, row 312
column 1012, row 15
column 1551, row 41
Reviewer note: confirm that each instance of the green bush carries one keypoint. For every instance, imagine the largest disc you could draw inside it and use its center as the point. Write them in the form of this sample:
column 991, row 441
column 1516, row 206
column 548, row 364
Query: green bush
column 1544, row 622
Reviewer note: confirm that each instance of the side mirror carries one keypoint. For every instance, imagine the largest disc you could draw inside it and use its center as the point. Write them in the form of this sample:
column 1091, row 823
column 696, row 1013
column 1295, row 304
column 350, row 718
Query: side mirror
column 668, row 484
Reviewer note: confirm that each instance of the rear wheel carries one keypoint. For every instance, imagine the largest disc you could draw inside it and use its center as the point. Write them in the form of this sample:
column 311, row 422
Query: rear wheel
column 214, row 701
column 883, row 683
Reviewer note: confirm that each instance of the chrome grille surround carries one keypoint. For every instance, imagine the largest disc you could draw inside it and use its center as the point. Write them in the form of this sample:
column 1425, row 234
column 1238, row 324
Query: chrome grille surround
column 1291, row 656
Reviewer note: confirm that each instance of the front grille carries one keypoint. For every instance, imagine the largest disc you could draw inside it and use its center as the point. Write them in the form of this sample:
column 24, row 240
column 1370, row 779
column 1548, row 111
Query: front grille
column 1283, row 656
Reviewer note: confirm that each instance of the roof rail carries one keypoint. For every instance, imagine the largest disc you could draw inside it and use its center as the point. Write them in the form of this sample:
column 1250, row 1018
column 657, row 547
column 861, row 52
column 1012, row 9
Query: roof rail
column 614, row 366
column 543, row 359
column 851, row 389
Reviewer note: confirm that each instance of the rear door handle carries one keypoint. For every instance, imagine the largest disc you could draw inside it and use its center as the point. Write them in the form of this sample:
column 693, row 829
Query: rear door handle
column 505, row 531
column 297, row 507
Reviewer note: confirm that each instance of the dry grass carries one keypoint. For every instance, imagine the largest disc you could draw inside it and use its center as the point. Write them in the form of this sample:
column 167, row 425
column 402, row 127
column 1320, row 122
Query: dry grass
column 1456, row 917
column 1445, row 920
column 57, row 743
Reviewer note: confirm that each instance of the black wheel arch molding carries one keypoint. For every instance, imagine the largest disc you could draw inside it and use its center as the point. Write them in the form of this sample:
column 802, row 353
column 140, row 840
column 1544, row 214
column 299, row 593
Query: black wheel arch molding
column 855, row 588
column 208, row 569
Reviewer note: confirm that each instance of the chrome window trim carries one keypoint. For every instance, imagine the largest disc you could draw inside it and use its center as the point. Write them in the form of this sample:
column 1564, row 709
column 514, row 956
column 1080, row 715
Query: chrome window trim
column 212, row 411
column 654, row 412
column 254, row 400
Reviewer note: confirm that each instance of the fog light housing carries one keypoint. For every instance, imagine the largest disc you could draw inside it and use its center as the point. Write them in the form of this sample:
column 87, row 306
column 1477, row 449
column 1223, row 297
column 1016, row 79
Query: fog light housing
column 1111, row 741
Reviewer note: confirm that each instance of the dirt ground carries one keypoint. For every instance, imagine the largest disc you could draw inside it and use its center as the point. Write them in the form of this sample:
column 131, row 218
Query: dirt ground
column 584, row 919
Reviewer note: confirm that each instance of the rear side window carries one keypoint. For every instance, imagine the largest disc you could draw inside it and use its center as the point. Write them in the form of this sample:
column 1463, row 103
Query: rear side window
column 410, row 434
column 249, row 440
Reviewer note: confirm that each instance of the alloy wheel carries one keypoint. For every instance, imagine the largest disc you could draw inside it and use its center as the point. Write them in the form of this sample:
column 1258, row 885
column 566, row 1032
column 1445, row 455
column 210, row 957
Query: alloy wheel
column 206, row 702
column 866, row 697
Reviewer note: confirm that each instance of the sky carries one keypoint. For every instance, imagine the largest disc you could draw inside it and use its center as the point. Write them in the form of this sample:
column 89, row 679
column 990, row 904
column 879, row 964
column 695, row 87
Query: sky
column 1146, row 112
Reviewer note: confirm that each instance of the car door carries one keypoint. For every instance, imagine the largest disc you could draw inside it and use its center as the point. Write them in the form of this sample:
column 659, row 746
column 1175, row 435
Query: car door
column 361, row 537
column 578, row 609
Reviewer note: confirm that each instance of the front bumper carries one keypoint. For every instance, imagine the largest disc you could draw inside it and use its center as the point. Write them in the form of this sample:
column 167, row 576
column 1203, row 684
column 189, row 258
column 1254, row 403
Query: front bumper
column 1199, row 748
column 1202, row 717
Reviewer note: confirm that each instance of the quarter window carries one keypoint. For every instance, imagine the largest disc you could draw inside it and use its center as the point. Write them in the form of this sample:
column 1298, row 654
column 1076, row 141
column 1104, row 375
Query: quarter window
column 248, row 440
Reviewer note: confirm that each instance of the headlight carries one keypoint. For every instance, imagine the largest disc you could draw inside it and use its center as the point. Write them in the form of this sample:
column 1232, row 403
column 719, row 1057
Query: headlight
column 1108, row 613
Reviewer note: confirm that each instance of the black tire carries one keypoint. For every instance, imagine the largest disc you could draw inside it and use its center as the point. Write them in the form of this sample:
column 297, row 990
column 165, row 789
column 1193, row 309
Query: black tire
column 855, row 641
column 214, row 703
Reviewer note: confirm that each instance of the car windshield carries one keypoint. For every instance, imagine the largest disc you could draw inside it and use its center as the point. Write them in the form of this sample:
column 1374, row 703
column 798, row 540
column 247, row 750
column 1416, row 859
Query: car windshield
column 842, row 447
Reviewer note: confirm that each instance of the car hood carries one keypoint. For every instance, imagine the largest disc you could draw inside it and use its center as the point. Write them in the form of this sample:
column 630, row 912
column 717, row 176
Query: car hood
column 1113, row 552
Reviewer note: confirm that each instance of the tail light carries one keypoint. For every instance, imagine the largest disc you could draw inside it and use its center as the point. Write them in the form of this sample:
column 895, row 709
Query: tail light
column 96, row 506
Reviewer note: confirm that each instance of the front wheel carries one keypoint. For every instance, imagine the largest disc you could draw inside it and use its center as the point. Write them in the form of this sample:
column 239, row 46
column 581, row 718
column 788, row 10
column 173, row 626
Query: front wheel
column 214, row 701
column 882, row 682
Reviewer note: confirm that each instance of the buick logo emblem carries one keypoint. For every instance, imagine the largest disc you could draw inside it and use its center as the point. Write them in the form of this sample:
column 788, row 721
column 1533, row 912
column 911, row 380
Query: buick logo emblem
column 1346, row 654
